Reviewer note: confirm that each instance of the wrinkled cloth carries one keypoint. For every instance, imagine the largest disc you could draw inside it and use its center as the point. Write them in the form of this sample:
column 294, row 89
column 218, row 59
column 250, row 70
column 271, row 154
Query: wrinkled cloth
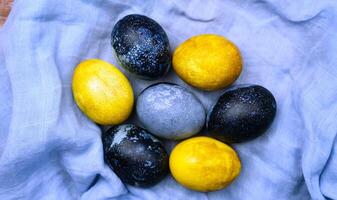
column 50, row 150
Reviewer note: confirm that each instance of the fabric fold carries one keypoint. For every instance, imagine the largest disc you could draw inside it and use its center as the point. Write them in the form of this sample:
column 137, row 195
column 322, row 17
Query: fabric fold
column 50, row 150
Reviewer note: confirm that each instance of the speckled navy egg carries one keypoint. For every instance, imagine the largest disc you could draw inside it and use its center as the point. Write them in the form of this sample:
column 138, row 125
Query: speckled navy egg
column 137, row 157
column 170, row 111
column 141, row 46
column 241, row 114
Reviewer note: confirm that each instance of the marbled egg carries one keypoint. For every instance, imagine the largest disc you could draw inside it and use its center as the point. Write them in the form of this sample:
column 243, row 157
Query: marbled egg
column 170, row 111
column 137, row 157
column 204, row 164
column 241, row 114
column 141, row 46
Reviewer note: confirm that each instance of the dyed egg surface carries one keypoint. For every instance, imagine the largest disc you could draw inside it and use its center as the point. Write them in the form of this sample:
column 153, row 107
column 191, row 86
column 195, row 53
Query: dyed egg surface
column 102, row 92
column 136, row 156
column 141, row 46
column 170, row 111
column 241, row 114
column 207, row 61
column 204, row 164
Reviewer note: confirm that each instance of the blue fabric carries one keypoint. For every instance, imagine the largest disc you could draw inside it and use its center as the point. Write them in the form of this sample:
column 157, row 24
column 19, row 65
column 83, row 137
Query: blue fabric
column 50, row 150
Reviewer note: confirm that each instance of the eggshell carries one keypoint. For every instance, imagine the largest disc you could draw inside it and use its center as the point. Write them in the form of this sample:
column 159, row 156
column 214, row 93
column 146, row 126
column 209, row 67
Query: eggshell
column 204, row 164
column 137, row 157
column 170, row 111
column 241, row 114
column 141, row 46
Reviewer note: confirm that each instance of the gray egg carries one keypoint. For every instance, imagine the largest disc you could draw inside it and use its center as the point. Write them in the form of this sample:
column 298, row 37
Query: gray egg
column 170, row 111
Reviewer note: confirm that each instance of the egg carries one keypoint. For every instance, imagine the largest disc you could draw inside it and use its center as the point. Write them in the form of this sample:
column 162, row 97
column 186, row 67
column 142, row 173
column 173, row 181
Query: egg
column 241, row 114
column 170, row 111
column 208, row 62
column 102, row 92
column 137, row 157
column 141, row 46
column 204, row 164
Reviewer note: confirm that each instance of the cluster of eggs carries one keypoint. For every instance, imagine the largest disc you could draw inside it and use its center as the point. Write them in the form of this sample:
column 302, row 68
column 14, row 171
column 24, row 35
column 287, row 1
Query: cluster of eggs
column 169, row 111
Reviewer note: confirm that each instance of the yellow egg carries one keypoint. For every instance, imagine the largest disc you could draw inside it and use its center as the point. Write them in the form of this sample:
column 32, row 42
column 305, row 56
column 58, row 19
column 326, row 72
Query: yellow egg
column 102, row 92
column 208, row 62
column 204, row 164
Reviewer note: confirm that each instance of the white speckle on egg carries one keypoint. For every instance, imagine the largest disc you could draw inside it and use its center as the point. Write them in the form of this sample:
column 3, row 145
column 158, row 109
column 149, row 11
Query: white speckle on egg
column 120, row 134
column 147, row 163
column 118, row 137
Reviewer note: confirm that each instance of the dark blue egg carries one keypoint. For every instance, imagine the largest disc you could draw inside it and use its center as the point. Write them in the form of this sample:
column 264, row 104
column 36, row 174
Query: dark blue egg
column 137, row 157
column 141, row 46
column 241, row 114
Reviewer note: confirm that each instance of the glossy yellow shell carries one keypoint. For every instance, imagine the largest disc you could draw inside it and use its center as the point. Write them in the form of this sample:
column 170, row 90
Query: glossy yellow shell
column 208, row 62
column 102, row 92
column 204, row 164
